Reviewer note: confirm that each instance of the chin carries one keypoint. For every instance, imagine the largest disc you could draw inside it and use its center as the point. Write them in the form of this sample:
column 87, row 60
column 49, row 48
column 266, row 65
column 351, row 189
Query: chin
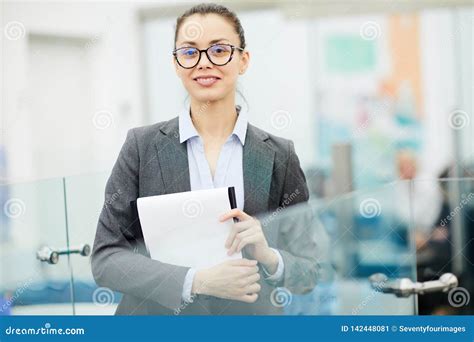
column 207, row 96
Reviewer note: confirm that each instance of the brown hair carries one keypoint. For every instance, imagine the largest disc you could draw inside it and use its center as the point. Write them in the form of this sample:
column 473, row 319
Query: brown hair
column 211, row 8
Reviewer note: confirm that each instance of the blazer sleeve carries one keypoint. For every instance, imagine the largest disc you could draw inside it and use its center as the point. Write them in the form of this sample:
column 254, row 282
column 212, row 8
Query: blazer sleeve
column 297, row 240
column 117, row 260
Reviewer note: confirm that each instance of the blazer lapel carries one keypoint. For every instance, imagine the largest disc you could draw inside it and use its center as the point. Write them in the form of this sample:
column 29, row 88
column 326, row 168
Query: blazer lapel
column 173, row 159
column 258, row 158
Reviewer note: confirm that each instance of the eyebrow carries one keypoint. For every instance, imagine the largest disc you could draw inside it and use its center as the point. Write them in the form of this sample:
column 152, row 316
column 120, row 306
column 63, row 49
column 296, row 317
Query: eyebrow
column 210, row 43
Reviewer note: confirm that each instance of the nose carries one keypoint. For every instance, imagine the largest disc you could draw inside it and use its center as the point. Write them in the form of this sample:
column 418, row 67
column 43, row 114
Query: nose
column 204, row 62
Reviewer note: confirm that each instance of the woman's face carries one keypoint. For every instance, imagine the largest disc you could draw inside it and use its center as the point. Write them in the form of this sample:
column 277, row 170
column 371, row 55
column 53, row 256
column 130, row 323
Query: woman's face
column 202, row 31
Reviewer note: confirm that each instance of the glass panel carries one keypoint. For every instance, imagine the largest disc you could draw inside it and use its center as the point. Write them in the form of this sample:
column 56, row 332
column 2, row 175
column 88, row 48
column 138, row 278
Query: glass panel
column 330, row 249
column 85, row 198
column 369, row 233
column 33, row 217
column 443, row 218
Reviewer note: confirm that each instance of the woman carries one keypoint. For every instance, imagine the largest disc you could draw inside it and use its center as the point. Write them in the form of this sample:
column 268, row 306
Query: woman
column 211, row 145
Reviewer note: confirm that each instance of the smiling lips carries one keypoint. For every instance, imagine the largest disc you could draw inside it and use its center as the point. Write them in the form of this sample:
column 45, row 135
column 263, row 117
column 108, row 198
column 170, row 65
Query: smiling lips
column 206, row 81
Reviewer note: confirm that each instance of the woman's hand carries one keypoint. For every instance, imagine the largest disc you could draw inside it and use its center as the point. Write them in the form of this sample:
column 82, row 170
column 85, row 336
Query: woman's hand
column 232, row 279
column 248, row 232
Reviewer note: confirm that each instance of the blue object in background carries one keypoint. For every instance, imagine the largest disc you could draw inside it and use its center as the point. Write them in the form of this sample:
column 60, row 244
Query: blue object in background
column 56, row 292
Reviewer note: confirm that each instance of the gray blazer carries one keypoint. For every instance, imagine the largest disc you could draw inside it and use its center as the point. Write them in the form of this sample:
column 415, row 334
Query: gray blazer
column 151, row 162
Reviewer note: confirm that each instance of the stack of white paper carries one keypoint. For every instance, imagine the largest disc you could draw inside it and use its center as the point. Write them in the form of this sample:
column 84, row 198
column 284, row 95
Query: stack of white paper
column 184, row 228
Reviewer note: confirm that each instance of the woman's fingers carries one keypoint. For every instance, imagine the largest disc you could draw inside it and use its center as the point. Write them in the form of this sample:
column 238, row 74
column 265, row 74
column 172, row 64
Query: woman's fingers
column 242, row 262
column 236, row 229
column 244, row 284
column 249, row 298
column 251, row 239
column 239, row 243
column 252, row 279
column 254, row 288
column 244, row 272
column 249, row 271
column 235, row 239
column 237, row 213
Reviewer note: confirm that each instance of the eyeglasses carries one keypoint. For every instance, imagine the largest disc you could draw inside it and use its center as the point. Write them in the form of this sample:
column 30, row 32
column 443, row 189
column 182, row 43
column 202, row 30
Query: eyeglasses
column 218, row 54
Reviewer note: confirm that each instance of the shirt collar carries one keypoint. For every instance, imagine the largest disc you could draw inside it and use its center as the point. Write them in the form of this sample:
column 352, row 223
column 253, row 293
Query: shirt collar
column 187, row 129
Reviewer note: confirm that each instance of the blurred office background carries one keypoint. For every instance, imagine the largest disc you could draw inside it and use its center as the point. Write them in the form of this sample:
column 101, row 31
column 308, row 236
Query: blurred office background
column 371, row 93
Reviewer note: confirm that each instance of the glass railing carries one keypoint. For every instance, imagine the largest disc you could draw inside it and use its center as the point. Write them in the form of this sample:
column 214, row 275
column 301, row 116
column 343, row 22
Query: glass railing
column 33, row 217
column 363, row 253
column 351, row 237
column 85, row 200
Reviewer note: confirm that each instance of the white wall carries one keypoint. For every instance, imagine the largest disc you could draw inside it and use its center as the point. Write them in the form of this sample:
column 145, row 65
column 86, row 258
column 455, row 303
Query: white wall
column 464, row 18
column 447, row 85
column 105, row 44
column 437, row 62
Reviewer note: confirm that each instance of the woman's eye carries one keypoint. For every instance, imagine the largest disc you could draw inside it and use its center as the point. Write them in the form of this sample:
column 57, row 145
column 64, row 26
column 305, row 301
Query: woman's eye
column 218, row 50
column 189, row 52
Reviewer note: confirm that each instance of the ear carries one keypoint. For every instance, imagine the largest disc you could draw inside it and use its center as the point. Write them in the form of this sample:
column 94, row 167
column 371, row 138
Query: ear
column 244, row 62
column 176, row 66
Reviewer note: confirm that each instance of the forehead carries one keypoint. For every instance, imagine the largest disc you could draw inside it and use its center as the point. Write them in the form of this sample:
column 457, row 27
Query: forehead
column 202, row 30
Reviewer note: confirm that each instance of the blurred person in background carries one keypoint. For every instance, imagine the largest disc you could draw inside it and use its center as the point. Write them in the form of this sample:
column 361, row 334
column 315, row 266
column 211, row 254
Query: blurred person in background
column 434, row 256
column 418, row 198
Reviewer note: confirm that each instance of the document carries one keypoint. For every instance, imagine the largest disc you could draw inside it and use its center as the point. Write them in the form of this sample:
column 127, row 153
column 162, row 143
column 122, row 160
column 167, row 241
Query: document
column 184, row 228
